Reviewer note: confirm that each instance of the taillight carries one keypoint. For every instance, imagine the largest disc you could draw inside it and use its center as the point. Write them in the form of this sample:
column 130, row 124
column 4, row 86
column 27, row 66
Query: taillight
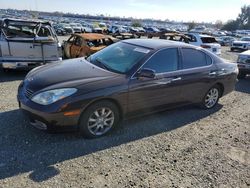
column 205, row 46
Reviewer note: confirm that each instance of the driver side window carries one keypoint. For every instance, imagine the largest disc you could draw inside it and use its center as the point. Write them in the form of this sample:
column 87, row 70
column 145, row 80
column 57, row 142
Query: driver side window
column 163, row 61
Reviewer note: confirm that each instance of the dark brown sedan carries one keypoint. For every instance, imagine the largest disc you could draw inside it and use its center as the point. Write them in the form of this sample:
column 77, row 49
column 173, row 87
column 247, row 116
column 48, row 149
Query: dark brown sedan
column 125, row 79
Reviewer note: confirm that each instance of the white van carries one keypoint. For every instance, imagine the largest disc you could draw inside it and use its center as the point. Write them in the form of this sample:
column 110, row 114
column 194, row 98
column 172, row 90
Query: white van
column 26, row 44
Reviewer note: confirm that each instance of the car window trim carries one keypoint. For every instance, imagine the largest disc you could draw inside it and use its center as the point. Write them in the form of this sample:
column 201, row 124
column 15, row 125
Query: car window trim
column 198, row 49
column 179, row 57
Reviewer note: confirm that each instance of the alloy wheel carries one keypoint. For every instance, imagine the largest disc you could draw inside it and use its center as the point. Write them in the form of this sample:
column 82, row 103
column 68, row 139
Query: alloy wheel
column 211, row 97
column 101, row 121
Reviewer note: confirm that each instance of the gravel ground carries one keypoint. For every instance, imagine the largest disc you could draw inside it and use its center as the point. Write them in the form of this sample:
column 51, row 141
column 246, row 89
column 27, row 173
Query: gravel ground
column 186, row 147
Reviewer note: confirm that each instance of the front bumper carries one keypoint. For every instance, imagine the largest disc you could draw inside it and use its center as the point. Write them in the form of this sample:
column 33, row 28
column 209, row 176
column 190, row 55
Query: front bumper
column 44, row 118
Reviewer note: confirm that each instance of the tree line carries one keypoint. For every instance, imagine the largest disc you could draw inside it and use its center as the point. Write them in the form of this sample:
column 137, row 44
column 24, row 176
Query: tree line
column 241, row 22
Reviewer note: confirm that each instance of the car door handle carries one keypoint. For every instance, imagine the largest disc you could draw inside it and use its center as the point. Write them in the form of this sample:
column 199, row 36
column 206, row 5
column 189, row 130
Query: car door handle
column 176, row 79
column 212, row 73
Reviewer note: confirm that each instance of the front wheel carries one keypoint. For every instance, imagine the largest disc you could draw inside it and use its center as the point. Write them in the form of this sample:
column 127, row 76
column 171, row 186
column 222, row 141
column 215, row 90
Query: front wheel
column 99, row 119
column 211, row 98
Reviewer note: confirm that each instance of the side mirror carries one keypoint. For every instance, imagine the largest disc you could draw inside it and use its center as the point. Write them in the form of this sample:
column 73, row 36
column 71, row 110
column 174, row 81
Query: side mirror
column 146, row 73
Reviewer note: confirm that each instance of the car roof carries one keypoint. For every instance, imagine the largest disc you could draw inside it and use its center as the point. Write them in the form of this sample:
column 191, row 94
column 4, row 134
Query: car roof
column 175, row 34
column 25, row 21
column 201, row 35
column 92, row 36
column 156, row 43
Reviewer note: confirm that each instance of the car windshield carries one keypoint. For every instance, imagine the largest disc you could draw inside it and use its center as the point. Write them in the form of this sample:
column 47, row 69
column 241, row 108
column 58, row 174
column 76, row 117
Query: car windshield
column 245, row 39
column 119, row 57
column 208, row 40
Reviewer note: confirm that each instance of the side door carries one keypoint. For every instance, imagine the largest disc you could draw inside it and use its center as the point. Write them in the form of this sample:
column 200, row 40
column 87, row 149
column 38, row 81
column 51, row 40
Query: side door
column 146, row 93
column 75, row 48
column 67, row 46
column 197, row 72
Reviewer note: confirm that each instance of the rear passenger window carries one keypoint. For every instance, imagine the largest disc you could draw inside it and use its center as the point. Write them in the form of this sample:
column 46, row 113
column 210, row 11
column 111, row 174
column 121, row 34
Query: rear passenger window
column 163, row 61
column 193, row 58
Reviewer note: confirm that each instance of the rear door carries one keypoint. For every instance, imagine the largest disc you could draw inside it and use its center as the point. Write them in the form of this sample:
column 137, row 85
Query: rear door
column 197, row 73
column 146, row 93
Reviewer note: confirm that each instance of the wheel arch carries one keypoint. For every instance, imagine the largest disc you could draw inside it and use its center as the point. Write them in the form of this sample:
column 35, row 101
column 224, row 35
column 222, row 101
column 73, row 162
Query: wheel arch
column 114, row 101
column 221, row 86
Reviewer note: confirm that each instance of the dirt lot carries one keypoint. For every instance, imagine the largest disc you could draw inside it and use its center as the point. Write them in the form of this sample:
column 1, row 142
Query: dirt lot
column 186, row 147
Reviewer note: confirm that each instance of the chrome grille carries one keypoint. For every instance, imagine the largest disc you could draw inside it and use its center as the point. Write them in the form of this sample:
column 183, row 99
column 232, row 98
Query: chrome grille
column 28, row 93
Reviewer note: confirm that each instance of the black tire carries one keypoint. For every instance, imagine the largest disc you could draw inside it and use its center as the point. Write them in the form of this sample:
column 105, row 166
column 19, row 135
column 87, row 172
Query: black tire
column 232, row 49
column 84, row 122
column 204, row 103
column 241, row 75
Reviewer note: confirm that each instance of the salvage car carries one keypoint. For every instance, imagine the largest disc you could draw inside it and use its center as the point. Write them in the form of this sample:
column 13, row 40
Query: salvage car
column 26, row 44
column 244, row 64
column 243, row 44
column 126, row 79
column 85, row 44
column 205, row 41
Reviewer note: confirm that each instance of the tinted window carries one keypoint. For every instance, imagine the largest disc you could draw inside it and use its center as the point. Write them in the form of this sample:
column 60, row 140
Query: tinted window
column 163, row 61
column 208, row 40
column 193, row 58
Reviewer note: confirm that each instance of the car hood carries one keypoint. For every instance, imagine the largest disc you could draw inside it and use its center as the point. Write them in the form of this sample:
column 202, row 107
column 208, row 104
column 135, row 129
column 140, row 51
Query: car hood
column 246, row 53
column 68, row 73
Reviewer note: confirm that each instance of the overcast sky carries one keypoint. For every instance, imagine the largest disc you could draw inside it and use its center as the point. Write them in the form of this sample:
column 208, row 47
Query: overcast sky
column 180, row 10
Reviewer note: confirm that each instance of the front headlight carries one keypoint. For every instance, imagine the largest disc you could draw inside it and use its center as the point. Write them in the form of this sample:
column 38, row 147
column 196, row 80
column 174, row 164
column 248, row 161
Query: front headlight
column 51, row 96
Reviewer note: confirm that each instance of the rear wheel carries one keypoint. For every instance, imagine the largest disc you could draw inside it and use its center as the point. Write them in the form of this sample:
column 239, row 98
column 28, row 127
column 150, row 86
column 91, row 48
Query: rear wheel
column 211, row 98
column 99, row 119
column 232, row 49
